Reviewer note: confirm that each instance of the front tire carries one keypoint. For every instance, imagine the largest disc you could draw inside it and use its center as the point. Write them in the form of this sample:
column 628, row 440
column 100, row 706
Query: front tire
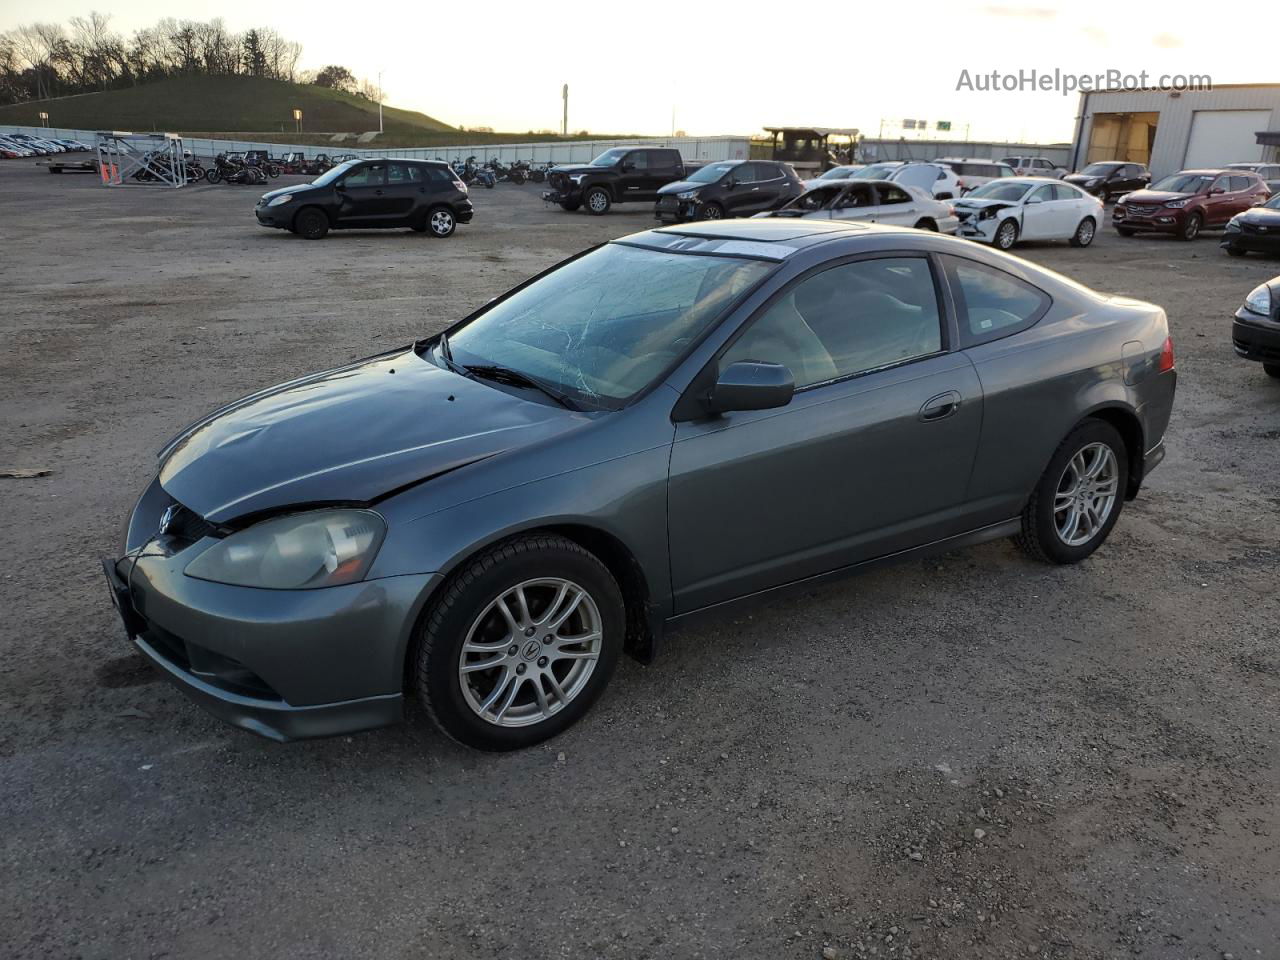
column 1079, row 497
column 1006, row 235
column 711, row 211
column 213, row 174
column 311, row 223
column 1191, row 228
column 1084, row 233
column 519, row 643
column 598, row 201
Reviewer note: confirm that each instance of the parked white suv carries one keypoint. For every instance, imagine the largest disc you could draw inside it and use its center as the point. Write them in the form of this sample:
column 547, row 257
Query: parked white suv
column 1035, row 167
column 972, row 173
column 935, row 179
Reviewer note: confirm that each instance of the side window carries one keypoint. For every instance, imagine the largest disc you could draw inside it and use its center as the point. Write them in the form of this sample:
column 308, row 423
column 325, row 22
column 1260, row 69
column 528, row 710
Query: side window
column 1003, row 172
column 858, row 195
column 745, row 173
column 1241, row 183
column 639, row 159
column 891, row 194
column 1042, row 194
column 1222, row 183
column 991, row 303
column 661, row 159
column 846, row 320
column 767, row 171
column 374, row 175
column 1063, row 192
column 403, row 173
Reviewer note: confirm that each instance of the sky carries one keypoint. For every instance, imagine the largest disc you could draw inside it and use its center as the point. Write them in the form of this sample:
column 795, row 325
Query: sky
column 721, row 68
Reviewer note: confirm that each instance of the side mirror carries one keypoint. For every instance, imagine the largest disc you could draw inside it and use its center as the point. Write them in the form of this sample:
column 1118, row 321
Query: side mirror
column 628, row 167
column 1215, row 191
column 730, row 183
column 752, row 385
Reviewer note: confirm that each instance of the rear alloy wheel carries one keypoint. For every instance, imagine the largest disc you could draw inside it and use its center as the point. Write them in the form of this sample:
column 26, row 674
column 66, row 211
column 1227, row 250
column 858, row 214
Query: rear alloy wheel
column 311, row 224
column 440, row 222
column 1084, row 233
column 1079, row 497
column 711, row 211
column 1007, row 235
column 1191, row 227
column 598, row 201
column 520, row 643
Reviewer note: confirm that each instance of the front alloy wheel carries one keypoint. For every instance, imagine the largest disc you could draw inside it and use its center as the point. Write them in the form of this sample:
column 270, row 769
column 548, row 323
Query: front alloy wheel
column 1007, row 235
column 597, row 200
column 519, row 642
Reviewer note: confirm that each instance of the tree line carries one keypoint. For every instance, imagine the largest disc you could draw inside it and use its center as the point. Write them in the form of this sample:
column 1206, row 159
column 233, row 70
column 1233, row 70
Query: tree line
column 43, row 60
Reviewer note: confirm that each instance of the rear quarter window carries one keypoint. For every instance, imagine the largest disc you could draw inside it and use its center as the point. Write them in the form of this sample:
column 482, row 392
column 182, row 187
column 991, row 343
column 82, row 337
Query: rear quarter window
column 992, row 304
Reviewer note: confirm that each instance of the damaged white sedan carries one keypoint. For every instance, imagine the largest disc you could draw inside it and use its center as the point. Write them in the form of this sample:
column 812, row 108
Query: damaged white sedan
column 1006, row 211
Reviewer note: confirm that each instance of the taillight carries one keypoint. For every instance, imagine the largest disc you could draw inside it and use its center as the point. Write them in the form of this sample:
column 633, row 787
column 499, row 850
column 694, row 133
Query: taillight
column 1166, row 356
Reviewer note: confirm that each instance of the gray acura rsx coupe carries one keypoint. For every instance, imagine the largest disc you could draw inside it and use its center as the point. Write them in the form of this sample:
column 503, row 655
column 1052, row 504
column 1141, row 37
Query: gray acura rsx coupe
column 657, row 427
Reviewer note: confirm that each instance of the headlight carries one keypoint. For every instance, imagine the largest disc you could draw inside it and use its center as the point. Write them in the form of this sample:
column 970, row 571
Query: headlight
column 283, row 198
column 1260, row 300
column 986, row 213
column 1092, row 181
column 1176, row 203
column 1233, row 225
column 301, row 551
column 576, row 177
column 687, row 195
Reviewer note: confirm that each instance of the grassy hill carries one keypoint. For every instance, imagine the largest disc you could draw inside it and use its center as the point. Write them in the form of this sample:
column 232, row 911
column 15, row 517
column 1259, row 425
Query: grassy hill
column 240, row 104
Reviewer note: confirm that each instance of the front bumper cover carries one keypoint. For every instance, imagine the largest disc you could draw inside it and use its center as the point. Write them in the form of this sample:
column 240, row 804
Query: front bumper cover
column 1255, row 338
column 284, row 664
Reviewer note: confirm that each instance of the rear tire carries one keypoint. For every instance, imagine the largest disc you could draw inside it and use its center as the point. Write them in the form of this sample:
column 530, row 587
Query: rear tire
column 310, row 223
column 463, row 627
column 440, row 222
column 1067, row 490
column 1272, row 370
column 597, row 201
column 1084, row 233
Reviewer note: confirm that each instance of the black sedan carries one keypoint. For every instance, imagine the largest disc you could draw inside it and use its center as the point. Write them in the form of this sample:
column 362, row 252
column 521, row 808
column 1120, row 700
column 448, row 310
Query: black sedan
column 1257, row 230
column 1255, row 333
column 1110, row 179
column 424, row 195
column 732, row 188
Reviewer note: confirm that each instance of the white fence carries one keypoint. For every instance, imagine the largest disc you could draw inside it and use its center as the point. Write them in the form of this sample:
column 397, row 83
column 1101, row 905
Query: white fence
column 707, row 149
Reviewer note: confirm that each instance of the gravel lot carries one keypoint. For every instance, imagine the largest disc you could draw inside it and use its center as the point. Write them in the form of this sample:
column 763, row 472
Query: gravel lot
column 971, row 756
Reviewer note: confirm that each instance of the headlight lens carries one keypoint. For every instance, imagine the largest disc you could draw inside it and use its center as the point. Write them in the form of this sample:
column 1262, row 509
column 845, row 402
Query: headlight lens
column 301, row 551
column 1176, row 203
column 1092, row 181
column 1260, row 300
column 1233, row 225
column 688, row 195
column 283, row 198
column 576, row 177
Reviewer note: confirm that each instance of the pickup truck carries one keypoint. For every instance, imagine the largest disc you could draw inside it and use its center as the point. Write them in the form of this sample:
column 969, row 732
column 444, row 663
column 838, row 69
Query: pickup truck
column 620, row 175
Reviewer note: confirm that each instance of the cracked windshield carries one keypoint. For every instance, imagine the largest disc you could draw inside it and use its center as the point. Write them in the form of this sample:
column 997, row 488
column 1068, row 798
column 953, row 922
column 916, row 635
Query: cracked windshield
column 604, row 327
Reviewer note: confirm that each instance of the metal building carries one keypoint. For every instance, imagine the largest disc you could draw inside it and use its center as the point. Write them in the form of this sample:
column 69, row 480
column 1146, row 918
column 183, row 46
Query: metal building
column 1171, row 130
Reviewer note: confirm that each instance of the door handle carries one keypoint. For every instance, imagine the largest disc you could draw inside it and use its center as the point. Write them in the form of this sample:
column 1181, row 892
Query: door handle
column 940, row 407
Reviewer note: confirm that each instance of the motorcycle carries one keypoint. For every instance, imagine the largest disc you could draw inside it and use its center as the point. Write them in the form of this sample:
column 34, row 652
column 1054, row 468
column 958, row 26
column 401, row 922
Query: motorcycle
column 471, row 172
column 538, row 172
column 234, row 170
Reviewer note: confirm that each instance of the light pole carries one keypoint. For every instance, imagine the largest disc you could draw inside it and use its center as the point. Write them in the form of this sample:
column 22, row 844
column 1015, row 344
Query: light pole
column 297, row 119
column 380, row 101
column 564, row 122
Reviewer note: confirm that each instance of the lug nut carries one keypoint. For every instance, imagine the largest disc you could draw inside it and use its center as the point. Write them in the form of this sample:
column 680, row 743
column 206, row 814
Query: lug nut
column 511, row 650
column 529, row 631
column 548, row 638
column 520, row 668
column 542, row 661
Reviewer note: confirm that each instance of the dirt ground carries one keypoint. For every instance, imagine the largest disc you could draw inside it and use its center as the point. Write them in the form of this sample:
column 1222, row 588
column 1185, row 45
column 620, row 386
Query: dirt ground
column 971, row 756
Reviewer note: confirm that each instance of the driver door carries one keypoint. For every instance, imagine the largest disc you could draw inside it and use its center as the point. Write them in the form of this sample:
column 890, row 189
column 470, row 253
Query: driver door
column 871, row 456
column 362, row 197
column 1039, row 214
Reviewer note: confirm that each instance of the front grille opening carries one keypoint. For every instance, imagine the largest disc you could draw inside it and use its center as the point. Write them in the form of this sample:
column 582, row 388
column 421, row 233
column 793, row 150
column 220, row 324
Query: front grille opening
column 186, row 526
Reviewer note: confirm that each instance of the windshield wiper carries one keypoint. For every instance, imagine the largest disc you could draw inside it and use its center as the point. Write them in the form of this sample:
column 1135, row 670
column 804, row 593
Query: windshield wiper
column 514, row 378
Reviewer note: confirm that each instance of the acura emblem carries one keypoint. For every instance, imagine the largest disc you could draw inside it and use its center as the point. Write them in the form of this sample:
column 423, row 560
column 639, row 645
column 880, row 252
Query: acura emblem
column 166, row 518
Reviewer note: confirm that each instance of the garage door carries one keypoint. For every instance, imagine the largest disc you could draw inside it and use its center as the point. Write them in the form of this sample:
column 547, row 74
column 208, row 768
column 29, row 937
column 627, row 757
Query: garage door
column 1219, row 137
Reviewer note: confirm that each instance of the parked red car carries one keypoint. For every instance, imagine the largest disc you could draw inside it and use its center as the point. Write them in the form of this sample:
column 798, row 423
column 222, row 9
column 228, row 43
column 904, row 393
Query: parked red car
column 1185, row 202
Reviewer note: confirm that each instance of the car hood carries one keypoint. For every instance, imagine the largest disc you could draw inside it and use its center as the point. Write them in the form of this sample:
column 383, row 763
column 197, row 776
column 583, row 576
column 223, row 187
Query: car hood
column 981, row 203
column 680, row 186
column 1156, row 196
column 295, row 190
column 1082, row 177
column 585, row 168
column 1264, row 215
column 349, row 435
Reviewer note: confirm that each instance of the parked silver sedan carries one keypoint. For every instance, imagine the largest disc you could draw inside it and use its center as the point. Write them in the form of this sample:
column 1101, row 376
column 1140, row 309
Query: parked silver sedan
column 872, row 201
column 681, row 419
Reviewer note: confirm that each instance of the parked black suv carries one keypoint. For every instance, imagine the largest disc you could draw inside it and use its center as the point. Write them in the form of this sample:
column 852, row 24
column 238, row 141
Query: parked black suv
column 1110, row 178
column 732, row 188
column 425, row 195
column 619, row 175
